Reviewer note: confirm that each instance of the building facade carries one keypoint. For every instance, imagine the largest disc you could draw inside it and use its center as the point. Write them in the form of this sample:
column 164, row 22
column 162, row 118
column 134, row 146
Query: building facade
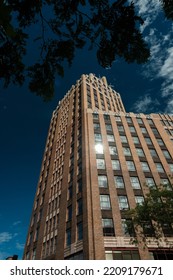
column 96, row 164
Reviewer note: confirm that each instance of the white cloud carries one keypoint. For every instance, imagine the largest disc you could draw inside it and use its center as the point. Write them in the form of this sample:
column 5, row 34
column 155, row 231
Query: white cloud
column 159, row 44
column 167, row 88
column 145, row 104
column 166, row 72
column 160, row 65
column 148, row 6
column 148, row 10
column 169, row 107
column 20, row 246
column 167, row 68
column 5, row 237
column 161, row 61
column 142, row 104
column 16, row 223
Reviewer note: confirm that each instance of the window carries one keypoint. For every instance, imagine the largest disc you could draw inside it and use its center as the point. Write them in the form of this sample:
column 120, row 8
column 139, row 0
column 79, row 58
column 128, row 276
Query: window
column 115, row 165
column 36, row 234
column 123, row 139
column 167, row 229
column 160, row 142
column 122, row 255
column 148, row 140
column 69, row 213
column 171, row 167
column 105, row 202
column 123, row 202
column 76, row 256
column 27, row 256
column 166, row 154
column 106, row 117
column 33, row 254
column 155, row 131
column 129, row 120
column 68, row 237
column 130, row 165
column 79, row 206
column 145, row 166
column 139, row 199
column 162, row 254
column 108, row 227
column 143, row 129
column 119, row 182
column 30, row 238
column 98, row 137
column 126, row 151
column 95, row 116
column 42, row 199
column 96, row 126
column 79, row 185
column 120, row 128
column 113, row 150
column 79, row 168
column 102, row 181
column 140, row 152
column 79, row 231
column 153, row 153
column 167, row 131
column 132, row 129
column 127, row 227
column 100, row 163
column 148, row 228
column 150, row 121
column 110, row 138
column 108, row 127
column 118, row 119
column 140, row 121
column 135, row 140
column 150, row 182
column 135, row 182
column 159, row 167
column 99, row 148
column 165, row 182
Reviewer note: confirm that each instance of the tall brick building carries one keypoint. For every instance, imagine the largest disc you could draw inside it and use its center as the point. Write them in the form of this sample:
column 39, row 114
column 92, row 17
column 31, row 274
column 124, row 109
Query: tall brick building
column 97, row 162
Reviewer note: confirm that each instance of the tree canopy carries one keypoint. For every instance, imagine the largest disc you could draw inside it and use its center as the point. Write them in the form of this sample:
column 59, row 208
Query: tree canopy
column 112, row 28
column 154, row 217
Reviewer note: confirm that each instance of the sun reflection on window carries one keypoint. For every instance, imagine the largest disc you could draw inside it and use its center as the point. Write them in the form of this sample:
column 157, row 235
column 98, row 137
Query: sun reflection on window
column 99, row 148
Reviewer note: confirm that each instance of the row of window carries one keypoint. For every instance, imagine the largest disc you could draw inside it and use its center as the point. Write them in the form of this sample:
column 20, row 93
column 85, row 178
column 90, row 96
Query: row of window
column 96, row 103
column 127, row 152
column 105, row 203
column 167, row 123
column 122, row 255
column 118, row 119
column 119, row 182
column 134, row 255
column 79, row 209
column 131, row 166
column 79, row 234
column 51, row 225
column 123, row 138
column 49, row 247
column 127, row 224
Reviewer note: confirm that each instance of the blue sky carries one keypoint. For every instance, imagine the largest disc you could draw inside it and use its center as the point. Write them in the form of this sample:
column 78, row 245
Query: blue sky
column 24, row 118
